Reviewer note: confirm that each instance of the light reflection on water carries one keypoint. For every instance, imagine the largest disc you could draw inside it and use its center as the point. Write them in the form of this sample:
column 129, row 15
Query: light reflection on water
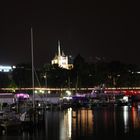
column 125, row 117
column 74, row 124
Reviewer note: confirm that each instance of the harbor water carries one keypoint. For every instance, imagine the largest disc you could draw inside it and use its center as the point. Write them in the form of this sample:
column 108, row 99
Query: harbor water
column 84, row 124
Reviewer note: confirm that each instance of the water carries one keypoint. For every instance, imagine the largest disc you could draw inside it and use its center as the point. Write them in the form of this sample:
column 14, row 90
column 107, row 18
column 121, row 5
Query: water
column 84, row 124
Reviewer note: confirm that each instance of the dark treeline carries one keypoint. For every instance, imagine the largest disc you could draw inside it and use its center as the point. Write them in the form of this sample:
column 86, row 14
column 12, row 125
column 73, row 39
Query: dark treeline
column 84, row 74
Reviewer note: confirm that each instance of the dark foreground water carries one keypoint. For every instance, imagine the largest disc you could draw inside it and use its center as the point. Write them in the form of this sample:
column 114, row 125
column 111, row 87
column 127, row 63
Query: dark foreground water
column 85, row 124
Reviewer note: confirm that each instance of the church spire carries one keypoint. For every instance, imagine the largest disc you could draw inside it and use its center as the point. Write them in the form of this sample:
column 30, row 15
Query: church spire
column 59, row 51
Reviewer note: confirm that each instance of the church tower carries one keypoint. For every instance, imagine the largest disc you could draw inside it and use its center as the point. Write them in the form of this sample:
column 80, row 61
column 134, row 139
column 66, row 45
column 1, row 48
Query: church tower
column 61, row 59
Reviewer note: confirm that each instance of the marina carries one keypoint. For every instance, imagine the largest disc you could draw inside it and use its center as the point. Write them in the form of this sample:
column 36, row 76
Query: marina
column 69, row 70
column 75, row 124
column 21, row 115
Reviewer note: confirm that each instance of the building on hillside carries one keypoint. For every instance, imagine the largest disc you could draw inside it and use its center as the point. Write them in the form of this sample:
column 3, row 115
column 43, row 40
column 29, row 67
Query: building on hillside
column 62, row 60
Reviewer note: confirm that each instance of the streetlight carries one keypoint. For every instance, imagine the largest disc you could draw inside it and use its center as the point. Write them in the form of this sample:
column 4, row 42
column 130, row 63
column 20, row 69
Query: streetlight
column 45, row 77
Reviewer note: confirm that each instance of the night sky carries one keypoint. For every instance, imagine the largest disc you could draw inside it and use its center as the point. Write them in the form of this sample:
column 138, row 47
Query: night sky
column 104, row 29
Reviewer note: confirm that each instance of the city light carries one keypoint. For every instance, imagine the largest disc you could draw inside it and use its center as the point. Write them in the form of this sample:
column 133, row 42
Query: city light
column 4, row 68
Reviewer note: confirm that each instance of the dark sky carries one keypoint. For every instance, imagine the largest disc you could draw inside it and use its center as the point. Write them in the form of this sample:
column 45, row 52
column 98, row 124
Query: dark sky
column 106, row 29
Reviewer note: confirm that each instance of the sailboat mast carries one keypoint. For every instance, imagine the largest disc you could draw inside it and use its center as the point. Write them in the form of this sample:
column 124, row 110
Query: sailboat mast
column 32, row 52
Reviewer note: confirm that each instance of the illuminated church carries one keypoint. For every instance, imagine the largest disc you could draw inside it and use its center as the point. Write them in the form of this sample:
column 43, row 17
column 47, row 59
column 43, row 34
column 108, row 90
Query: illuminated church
column 61, row 59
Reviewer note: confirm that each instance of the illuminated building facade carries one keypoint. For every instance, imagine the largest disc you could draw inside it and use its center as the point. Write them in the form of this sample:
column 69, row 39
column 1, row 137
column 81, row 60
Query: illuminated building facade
column 4, row 68
column 61, row 59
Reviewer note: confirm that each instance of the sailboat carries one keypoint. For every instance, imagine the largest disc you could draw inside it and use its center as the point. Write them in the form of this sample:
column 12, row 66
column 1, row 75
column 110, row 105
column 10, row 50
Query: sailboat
column 23, row 116
column 33, row 85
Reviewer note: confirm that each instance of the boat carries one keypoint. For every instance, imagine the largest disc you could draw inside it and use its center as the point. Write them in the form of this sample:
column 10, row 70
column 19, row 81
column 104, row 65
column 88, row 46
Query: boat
column 26, row 120
column 9, row 121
